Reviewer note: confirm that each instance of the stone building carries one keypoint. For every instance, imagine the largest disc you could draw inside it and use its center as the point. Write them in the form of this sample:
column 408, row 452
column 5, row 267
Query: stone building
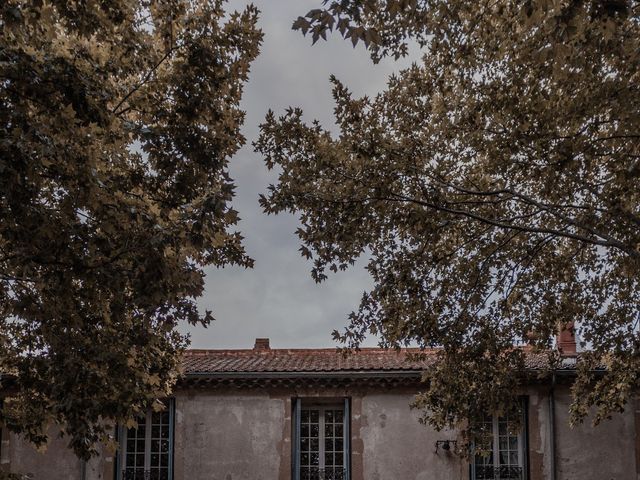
column 270, row 414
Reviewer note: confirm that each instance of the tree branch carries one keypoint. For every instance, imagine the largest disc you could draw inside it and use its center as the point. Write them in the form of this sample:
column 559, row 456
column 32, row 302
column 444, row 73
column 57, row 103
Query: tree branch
column 145, row 79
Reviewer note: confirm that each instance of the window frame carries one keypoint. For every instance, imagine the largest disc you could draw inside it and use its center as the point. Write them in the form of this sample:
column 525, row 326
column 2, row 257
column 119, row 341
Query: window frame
column 121, row 437
column 298, row 404
column 523, row 444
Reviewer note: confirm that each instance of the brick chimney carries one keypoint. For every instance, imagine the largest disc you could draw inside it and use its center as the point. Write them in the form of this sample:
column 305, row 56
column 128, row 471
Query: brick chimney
column 262, row 344
column 566, row 339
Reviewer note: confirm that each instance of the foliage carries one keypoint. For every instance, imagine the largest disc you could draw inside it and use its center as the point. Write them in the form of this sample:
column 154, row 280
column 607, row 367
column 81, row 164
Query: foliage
column 117, row 120
column 10, row 476
column 494, row 187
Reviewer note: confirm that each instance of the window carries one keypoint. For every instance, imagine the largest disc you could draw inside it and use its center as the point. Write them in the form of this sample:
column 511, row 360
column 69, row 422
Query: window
column 146, row 451
column 321, row 440
column 506, row 457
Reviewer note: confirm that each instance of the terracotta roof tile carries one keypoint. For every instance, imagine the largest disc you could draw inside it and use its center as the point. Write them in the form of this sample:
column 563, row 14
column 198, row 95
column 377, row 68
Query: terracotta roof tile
column 316, row 360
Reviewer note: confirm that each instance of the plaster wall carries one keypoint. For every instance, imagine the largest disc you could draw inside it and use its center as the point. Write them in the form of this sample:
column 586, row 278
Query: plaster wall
column 604, row 452
column 57, row 462
column 222, row 436
column 246, row 435
column 397, row 446
column 539, row 434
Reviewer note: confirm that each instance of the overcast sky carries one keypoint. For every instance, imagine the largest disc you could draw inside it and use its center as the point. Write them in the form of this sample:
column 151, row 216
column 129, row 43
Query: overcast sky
column 277, row 298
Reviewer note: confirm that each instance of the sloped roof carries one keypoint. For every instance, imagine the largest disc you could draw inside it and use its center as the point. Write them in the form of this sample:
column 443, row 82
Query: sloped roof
column 202, row 362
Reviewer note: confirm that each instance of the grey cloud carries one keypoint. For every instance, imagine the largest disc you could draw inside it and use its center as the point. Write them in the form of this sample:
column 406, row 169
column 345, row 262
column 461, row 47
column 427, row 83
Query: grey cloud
column 277, row 298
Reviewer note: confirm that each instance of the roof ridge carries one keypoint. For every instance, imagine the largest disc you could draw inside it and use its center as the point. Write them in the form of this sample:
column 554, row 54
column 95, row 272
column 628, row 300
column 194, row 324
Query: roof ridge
column 365, row 350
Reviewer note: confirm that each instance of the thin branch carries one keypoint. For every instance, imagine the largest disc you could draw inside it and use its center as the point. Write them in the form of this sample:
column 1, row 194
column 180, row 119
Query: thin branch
column 522, row 228
column 549, row 208
column 143, row 82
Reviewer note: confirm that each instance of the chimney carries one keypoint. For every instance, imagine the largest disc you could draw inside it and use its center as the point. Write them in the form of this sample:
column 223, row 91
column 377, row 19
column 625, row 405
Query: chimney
column 262, row 344
column 566, row 339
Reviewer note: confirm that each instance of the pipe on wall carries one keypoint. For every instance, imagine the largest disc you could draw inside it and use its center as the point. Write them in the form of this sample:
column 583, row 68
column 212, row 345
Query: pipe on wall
column 552, row 429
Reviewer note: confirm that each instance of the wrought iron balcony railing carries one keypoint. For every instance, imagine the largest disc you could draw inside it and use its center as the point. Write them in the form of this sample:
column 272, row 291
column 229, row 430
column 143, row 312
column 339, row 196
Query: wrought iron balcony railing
column 498, row 473
column 140, row 474
column 314, row 473
column 136, row 474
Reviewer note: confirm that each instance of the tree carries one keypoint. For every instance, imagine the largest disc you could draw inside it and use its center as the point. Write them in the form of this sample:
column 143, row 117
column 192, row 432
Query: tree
column 494, row 187
column 117, row 122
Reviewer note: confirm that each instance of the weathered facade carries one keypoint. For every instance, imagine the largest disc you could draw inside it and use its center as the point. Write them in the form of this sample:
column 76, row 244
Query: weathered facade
column 267, row 414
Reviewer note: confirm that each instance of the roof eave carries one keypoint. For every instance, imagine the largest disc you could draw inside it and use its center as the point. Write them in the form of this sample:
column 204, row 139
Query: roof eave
column 313, row 374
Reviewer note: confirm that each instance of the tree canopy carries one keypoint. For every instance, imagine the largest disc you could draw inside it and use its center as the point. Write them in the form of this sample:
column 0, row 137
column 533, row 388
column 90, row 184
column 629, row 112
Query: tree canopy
column 493, row 187
column 117, row 121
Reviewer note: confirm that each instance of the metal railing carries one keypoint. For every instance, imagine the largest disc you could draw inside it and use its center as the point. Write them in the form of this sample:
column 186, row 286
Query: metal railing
column 314, row 473
column 498, row 473
column 139, row 474
column 135, row 474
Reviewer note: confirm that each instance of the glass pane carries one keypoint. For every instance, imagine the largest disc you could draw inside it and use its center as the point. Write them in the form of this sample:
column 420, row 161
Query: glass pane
column 484, row 460
column 136, row 448
column 503, row 443
column 313, row 465
column 513, row 443
column 502, row 428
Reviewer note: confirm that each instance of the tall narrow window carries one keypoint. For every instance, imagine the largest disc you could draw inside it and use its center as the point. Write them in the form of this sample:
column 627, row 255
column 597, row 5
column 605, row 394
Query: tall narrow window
column 321, row 444
column 146, row 451
column 506, row 457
